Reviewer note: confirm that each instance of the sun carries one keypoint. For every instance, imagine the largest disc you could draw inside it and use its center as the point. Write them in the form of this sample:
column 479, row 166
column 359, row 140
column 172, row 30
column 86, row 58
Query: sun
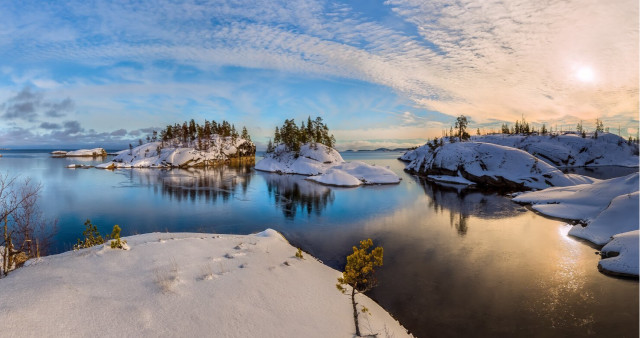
column 585, row 74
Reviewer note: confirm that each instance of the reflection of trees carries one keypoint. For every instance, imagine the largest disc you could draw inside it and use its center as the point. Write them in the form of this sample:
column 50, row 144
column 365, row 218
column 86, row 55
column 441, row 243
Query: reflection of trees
column 210, row 184
column 462, row 203
column 293, row 192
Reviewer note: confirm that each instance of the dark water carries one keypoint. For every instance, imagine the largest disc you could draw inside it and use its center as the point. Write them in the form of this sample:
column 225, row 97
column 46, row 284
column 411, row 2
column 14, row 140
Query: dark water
column 456, row 263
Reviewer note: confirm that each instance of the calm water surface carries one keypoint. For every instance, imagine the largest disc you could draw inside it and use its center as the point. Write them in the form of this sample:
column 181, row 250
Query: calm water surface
column 456, row 263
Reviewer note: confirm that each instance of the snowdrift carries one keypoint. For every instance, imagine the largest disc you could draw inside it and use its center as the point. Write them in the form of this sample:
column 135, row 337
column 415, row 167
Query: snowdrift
column 187, row 285
column 147, row 155
column 605, row 209
column 325, row 165
column 488, row 165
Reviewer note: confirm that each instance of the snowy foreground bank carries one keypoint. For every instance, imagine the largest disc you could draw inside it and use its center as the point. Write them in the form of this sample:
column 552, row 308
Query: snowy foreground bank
column 185, row 284
column 325, row 165
column 605, row 209
column 153, row 155
column 488, row 165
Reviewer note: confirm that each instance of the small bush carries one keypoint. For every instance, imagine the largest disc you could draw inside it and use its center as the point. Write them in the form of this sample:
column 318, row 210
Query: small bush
column 299, row 254
column 116, row 243
column 91, row 235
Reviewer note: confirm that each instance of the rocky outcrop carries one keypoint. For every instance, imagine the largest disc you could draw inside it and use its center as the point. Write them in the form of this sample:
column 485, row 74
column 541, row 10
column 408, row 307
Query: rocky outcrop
column 490, row 166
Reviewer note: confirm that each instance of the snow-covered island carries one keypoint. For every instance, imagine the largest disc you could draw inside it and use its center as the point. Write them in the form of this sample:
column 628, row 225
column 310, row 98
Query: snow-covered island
column 153, row 155
column 308, row 150
column 606, row 212
column 187, row 145
column 217, row 286
column 488, row 165
column 324, row 165
column 95, row 152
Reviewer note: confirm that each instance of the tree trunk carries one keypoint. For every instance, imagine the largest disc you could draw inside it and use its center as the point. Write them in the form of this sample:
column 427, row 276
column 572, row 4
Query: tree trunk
column 355, row 310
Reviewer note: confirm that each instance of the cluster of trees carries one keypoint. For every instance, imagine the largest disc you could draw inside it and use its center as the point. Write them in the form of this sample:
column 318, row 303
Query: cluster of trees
column 292, row 136
column 199, row 136
column 192, row 134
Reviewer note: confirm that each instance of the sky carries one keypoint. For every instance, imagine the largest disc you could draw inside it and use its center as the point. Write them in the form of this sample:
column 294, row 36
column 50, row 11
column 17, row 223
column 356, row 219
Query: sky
column 380, row 73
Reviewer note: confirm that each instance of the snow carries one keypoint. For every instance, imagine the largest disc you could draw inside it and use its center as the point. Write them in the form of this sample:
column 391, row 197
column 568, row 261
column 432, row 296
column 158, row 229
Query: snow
column 607, row 207
column 81, row 166
column 147, row 156
column 568, row 150
column 580, row 202
column 571, row 150
column 620, row 216
column 312, row 160
column 185, row 284
column 336, row 177
column 325, row 165
column 450, row 179
column 626, row 262
column 95, row 152
column 489, row 165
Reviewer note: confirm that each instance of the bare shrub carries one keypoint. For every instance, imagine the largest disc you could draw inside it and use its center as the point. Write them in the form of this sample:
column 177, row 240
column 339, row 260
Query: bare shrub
column 166, row 278
column 25, row 232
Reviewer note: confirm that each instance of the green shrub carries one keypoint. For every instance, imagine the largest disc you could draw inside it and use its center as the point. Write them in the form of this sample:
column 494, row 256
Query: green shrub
column 299, row 254
column 116, row 243
column 91, row 237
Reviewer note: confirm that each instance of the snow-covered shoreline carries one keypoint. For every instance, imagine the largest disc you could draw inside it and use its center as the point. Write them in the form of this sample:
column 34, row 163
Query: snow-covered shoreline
column 605, row 210
column 185, row 284
column 325, row 165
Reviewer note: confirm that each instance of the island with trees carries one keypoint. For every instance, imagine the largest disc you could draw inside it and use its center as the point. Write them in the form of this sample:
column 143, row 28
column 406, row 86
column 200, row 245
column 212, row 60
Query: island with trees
column 188, row 145
column 308, row 150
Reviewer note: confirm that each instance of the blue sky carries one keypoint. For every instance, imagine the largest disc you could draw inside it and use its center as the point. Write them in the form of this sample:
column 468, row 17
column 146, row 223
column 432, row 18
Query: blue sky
column 381, row 73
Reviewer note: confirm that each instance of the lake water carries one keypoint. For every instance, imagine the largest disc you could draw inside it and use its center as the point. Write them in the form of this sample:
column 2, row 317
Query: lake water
column 456, row 263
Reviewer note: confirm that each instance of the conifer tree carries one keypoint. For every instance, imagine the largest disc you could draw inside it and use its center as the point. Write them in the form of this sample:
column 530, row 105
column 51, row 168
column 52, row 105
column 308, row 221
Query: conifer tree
column 245, row 134
column 277, row 137
column 359, row 273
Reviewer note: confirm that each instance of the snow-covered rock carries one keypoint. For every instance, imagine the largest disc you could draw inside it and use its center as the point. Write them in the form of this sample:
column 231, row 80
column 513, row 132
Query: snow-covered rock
column 571, row 150
column 325, row 165
column 621, row 255
column 185, row 284
column 568, row 150
column 489, row 165
column 79, row 166
column 620, row 216
column 356, row 173
column 312, row 160
column 95, row 152
column 147, row 156
column 580, row 202
column 605, row 209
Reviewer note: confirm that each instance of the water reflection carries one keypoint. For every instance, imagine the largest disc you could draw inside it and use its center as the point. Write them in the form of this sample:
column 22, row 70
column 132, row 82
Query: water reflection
column 292, row 193
column 194, row 184
column 462, row 203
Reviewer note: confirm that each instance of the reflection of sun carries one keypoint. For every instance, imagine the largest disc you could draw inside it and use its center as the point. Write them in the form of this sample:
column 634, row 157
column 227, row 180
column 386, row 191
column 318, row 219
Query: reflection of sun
column 585, row 74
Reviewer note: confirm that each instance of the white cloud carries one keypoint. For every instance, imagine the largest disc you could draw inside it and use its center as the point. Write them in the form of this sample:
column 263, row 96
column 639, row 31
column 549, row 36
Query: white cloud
column 485, row 59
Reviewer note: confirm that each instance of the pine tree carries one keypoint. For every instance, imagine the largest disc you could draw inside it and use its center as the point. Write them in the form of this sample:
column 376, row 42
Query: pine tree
column 245, row 134
column 461, row 127
column 277, row 137
column 359, row 273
